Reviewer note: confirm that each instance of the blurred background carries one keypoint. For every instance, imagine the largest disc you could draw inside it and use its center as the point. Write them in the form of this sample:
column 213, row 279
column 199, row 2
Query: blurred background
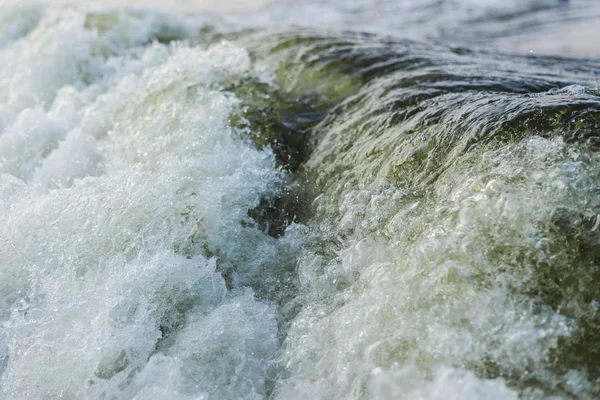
column 183, row 5
column 556, row 27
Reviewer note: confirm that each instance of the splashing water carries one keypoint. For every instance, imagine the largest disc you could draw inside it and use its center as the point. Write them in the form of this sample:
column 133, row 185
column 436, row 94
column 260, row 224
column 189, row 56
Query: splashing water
column 212, row 208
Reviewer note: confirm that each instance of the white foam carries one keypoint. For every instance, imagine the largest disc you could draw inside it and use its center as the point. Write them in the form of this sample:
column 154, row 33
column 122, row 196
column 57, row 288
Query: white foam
column 121, row 178
column 124, row 193
column 17, row 18
column 423, row 289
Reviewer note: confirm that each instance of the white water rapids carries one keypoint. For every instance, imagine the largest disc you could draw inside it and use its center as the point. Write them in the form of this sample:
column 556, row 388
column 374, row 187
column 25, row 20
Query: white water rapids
column 129, row 262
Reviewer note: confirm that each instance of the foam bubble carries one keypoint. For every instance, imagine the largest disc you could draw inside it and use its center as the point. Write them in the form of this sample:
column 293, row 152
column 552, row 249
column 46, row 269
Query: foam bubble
column 124, row 189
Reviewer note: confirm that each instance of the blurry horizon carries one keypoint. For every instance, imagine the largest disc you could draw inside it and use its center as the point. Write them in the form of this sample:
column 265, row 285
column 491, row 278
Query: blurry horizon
column 220, row 6
column 550, row 27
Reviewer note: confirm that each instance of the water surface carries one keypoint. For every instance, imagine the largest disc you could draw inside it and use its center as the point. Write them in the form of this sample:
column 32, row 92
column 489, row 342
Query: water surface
column 332, row 200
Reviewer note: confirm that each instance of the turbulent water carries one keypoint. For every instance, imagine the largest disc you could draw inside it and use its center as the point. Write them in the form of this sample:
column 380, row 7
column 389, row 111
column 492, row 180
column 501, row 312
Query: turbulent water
column 197, row 207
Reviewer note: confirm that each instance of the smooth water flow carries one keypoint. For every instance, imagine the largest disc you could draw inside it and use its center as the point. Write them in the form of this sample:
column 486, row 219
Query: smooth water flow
column 203, row 207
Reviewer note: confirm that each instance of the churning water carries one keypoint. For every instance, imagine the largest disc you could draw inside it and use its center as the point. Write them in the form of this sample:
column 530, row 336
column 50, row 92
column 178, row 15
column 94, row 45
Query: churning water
column 197, row 207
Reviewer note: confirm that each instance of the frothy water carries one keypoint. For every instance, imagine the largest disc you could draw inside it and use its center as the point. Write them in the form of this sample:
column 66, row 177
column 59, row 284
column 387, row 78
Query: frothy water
column 211, row 207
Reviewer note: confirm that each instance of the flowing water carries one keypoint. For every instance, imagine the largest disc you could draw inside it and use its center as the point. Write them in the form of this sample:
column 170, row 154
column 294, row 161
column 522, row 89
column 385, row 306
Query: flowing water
column 366, row 199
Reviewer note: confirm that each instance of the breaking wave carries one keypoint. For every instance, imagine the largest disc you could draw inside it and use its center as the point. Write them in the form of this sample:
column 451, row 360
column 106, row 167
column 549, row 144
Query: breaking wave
column 194, row 210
